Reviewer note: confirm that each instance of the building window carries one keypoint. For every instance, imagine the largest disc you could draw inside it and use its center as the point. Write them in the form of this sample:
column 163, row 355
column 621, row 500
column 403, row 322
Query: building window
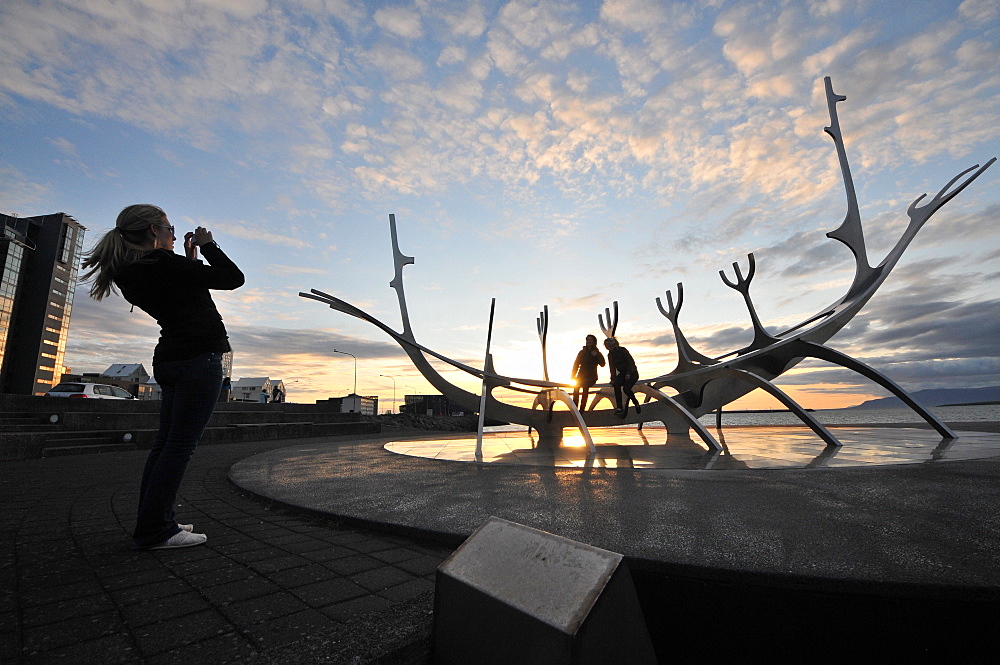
column 66, row 244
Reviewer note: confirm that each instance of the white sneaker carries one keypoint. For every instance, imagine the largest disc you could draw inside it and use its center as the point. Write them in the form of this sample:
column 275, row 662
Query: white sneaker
column 187, row 527
column 181, row 539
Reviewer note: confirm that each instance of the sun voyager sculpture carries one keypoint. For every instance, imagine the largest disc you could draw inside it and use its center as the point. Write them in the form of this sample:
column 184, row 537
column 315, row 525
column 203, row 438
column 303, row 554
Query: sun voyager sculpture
column 699, row 384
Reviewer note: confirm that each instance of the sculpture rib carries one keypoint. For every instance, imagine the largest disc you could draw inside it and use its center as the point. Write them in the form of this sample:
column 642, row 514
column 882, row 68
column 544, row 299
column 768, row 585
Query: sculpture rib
column 703, row 384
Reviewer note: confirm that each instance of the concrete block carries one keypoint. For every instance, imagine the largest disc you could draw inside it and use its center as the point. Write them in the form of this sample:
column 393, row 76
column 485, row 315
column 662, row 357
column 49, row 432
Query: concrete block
column 513, row 594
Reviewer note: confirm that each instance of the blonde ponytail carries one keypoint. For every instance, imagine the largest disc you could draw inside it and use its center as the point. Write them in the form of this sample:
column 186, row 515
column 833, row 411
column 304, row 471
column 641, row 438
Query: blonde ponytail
column 118, row 248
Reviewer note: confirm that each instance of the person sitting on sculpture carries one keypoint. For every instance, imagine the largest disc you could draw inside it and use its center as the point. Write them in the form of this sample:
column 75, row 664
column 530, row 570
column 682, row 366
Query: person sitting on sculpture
column 624, row 375
column 585, row 370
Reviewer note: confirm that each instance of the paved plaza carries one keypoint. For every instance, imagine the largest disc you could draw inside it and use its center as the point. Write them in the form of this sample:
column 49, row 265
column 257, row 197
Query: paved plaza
column 268, row 587
column 324, row 550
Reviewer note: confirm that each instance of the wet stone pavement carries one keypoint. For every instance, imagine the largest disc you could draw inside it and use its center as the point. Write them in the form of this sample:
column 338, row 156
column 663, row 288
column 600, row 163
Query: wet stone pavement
column 270, row 586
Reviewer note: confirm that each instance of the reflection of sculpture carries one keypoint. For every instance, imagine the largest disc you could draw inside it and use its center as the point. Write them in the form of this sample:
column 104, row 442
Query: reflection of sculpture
column 702, row 384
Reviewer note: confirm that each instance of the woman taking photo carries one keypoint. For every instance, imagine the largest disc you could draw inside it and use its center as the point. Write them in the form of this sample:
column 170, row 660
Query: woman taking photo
column 137, row 256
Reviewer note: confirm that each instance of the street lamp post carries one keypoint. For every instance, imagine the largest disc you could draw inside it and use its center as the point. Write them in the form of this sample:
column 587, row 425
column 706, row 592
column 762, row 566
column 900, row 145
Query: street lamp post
column 355, row 368
column 393, row 388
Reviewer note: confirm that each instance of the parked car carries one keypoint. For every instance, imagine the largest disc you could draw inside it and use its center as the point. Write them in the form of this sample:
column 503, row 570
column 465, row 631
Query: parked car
column 91, row 390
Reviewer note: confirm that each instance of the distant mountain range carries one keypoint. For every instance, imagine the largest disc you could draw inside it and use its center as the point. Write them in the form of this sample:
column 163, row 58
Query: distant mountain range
column 937, row 397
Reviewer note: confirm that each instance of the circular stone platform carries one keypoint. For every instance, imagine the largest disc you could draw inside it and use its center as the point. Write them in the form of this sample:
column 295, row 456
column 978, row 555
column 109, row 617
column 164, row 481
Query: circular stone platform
column 891, row 541
column 745, row 448
column 928, row 520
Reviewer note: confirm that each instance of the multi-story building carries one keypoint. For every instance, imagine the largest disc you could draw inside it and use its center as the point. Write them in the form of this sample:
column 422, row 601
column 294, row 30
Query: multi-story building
column 251, row 390
column 39, row 261
column 366, row 405
column 430, row 405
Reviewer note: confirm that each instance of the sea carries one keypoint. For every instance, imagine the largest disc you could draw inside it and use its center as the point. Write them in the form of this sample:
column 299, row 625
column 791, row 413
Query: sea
column 851, row 416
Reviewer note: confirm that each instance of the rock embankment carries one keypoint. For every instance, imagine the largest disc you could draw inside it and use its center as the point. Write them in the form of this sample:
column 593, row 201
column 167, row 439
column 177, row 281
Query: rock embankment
column 439, row 423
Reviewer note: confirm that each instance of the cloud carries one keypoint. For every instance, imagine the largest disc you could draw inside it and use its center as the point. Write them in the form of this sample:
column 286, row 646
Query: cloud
column 979, row 11
column 400, row 21
column 267, row 344
column 451, row 55
column 395, row 63
column 20, row 193
column 254, row 232
column 277, row 269
column 638, row 15
column 196, row 63
column 64, row 146
column 467, row 22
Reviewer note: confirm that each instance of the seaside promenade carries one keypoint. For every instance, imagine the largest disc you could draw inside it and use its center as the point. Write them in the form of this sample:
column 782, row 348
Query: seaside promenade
column 324, row 551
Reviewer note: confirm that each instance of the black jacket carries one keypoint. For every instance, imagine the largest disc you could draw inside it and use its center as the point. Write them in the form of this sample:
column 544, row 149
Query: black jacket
column 174, row 290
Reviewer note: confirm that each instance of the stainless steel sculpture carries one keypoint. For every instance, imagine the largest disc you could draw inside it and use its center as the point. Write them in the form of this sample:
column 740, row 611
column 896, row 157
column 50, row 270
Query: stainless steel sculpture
column 701, row 384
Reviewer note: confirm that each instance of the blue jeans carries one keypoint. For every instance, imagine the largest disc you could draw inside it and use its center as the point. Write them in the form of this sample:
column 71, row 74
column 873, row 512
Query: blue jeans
column 190, row 391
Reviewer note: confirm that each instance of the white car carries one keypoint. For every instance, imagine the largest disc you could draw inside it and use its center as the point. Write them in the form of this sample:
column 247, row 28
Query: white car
column 91, row 390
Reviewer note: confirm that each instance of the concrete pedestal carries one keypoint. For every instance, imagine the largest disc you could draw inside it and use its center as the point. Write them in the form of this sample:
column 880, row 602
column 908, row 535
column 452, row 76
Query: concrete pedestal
column 512, row 594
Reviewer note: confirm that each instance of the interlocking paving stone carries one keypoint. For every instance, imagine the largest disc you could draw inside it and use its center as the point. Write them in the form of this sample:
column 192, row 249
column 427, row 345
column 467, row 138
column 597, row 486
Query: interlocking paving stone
column 113, row 580
column 31, row 595
column 366, row 545
column 240, row 590
column 66, row 609
column 59, row 578
column 188, row 568
column 230, row 572
column 171, row 633
column 395, row 555
column 8, row 616
column 295, row 577
column 160, row 609
column 107, row 650
column 328, row 553
column 275, row 564
column 143, row 592
column 352, row 564
column 255, row 610
column 382, row 578
column 71, row 631
column 303, row 546
column 329, row 591
column 259, row 554
column 10, row 647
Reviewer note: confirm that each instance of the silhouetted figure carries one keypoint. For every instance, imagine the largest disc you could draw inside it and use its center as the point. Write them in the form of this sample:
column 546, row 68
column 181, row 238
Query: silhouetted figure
column 138, row 257
column 226, row 391
column 585, row 370
column 276, row 395
column 624, row 374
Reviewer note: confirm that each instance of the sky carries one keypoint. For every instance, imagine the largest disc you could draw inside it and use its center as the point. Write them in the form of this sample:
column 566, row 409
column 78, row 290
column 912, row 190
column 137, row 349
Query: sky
column 542, row 153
